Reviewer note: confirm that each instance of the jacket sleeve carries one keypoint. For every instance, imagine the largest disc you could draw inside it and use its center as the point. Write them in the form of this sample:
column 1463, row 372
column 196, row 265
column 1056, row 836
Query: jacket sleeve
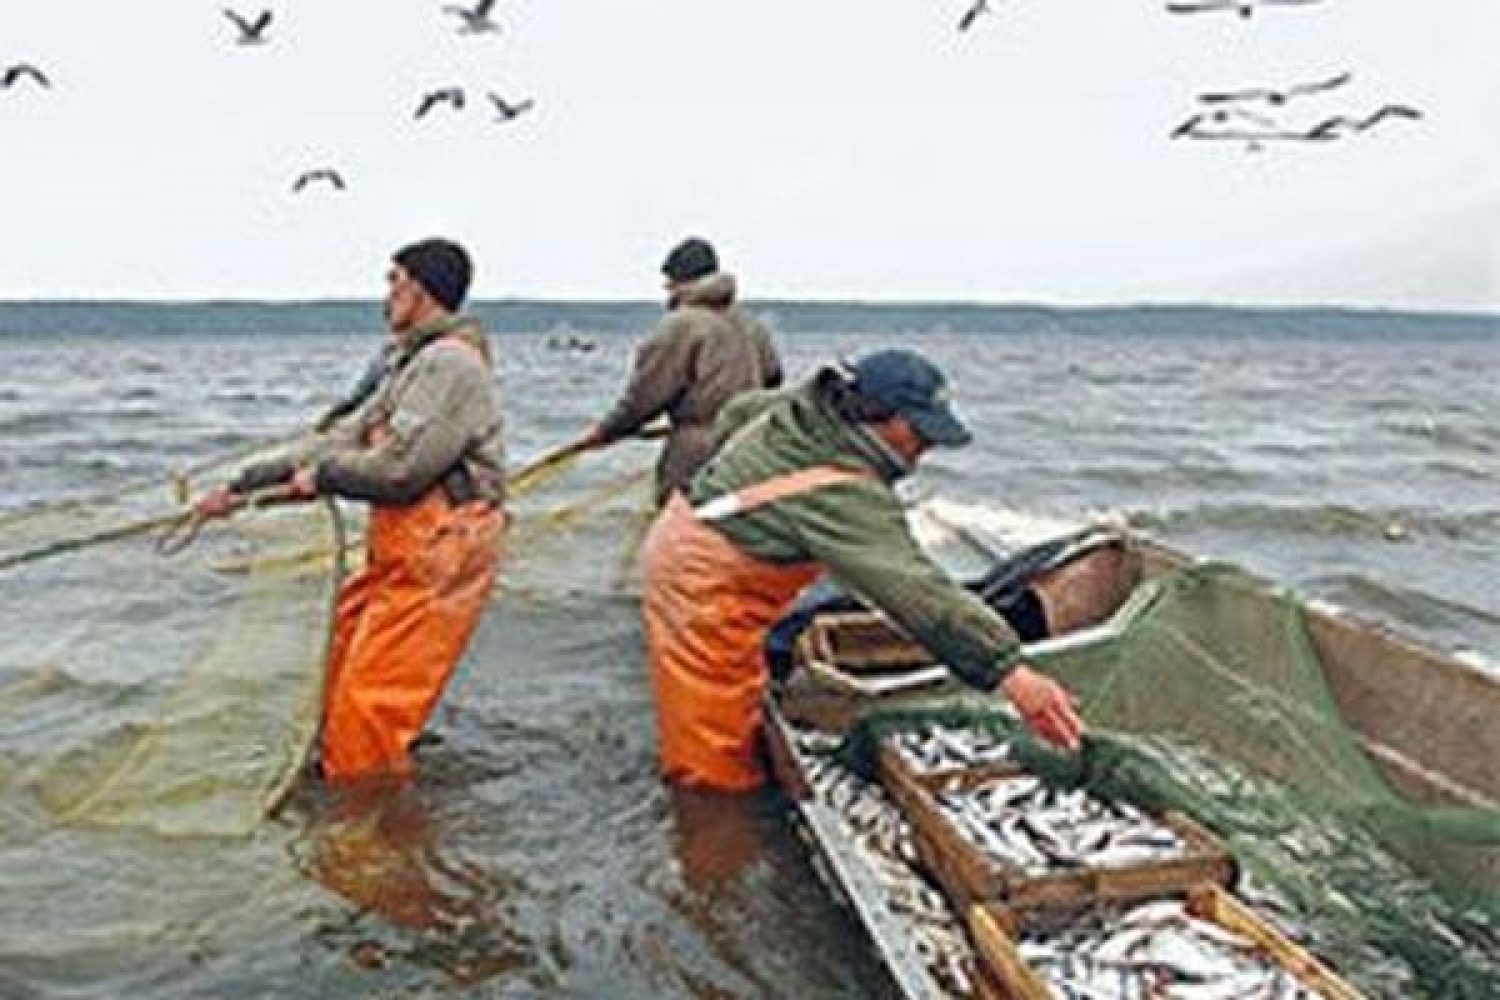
column 662, row 371
column 279, row 469
column 431, row 425
column 859, row 532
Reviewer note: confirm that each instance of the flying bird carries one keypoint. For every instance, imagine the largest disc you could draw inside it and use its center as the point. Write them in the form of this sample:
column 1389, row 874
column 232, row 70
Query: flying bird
column 509, row 111
column 1342, row 125
column 443, row 95
column 323, row 175
column 1243, row 7
column 251, row 32
column 476, row 21
column 1192, row 127
column 21, row 71
column 972, row 14
column 1277, row 97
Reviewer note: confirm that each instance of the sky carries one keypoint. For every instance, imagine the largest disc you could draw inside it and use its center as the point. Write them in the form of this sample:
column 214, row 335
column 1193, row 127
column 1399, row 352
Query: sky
column 831, row 149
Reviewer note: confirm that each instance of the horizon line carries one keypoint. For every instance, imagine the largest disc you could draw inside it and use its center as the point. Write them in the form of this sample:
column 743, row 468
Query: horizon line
column 1455, row 312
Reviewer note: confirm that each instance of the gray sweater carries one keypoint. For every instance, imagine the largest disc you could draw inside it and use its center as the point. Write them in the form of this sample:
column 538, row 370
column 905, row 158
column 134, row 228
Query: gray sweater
column 434, row 419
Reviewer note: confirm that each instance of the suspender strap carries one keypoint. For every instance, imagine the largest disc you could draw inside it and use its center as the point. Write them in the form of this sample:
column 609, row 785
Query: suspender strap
column 776, row 488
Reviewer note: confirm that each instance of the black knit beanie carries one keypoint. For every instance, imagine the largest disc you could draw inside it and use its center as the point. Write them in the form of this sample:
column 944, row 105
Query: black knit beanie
column 690, row 260
column 440, row 266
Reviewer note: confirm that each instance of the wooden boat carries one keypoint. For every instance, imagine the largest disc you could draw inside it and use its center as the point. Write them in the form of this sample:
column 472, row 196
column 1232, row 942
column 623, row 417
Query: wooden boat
column 1429, row 719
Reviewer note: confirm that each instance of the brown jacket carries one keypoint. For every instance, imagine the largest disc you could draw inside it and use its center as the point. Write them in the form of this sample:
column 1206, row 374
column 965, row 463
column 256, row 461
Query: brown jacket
column 702, row 354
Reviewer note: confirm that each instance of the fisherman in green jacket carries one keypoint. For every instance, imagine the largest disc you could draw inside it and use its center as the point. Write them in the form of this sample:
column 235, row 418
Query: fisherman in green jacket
column 803, row 485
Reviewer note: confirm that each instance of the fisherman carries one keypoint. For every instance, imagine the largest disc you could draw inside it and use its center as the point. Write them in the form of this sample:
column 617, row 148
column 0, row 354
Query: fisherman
column 804, row 484
column 426, row 453
column 705, row 351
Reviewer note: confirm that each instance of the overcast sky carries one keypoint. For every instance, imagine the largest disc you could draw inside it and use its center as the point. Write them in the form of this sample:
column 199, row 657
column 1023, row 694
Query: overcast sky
column 831, row 148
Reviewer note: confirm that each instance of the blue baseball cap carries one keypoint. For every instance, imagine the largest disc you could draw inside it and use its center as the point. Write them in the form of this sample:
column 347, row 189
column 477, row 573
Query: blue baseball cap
column 914, row 388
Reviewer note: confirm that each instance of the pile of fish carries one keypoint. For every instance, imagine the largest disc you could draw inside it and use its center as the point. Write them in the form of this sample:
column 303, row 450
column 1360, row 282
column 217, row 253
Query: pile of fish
column 1150, row 951
column 932, row 749
column 1156, row 950
column 1022, row 823
column 884, row 839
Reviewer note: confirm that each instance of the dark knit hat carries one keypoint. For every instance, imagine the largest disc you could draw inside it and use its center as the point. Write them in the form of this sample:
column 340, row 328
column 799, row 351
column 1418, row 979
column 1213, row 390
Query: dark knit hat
column 442, row 267
column 690, row 260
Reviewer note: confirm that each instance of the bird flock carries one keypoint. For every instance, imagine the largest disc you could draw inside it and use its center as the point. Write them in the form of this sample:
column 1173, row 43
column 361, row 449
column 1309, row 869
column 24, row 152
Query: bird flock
column 1254, row 115
column 1263, row 114
column 254, row 29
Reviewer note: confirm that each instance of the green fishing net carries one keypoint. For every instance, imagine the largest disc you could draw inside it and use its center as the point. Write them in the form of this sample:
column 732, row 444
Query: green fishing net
column 1211, row 698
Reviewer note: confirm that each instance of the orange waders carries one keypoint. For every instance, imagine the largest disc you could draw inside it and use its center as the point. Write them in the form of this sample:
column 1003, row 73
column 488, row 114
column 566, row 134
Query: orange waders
column 403, row 623
column 707, row 609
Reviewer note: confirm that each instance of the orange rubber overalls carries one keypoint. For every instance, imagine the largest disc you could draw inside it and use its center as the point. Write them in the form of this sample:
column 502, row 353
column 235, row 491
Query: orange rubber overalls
column 403, row 623
column 707, row 609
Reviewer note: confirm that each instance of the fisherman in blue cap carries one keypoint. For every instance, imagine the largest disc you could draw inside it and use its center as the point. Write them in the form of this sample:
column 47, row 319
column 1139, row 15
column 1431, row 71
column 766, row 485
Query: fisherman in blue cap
column 802, row 485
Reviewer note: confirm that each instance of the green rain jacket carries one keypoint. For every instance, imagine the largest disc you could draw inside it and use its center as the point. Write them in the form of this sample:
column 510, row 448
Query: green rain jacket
column 856, row 530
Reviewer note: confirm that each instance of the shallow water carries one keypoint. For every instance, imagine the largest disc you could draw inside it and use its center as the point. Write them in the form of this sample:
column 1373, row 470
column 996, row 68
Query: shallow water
column 538, row 855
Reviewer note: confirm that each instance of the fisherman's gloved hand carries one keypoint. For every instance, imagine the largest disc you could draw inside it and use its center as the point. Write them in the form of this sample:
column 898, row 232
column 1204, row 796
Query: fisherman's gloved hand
column 1047, row 708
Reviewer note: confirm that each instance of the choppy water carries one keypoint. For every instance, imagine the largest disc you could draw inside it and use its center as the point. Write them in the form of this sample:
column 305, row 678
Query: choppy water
column 539, row 855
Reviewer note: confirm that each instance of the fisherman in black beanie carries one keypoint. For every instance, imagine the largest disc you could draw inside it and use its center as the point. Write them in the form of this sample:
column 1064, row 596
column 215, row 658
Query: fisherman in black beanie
column 704, row 351
column 422, row 445
column 441, row 267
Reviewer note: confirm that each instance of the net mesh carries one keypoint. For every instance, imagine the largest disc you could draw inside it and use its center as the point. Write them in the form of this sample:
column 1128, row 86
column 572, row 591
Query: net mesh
column 159, row 693
column 1212, row 700
column 181, row 695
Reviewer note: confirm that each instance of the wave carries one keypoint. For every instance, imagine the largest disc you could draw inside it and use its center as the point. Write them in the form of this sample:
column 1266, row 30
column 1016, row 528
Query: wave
column 1324, row 521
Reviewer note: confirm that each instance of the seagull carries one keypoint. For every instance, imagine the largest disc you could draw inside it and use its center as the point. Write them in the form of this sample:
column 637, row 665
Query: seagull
column 1277, row 97
column 1244, row 7
column 1189, row 129
column 972, row 14
column 309, row 177
column 476, row 21
column 449, row 95
column 1341, row 125
column 509, row 111
column 14, row 74
column 251, row 32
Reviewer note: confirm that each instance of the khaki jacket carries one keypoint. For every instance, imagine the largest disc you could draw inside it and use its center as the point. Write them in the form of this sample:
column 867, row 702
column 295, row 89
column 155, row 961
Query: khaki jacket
column 702, row 354
column 434, row 420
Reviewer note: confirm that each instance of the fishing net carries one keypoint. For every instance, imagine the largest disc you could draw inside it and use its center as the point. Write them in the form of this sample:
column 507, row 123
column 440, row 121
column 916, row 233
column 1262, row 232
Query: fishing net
column 180, row 695
column 1210, row 697
column 159, row 693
